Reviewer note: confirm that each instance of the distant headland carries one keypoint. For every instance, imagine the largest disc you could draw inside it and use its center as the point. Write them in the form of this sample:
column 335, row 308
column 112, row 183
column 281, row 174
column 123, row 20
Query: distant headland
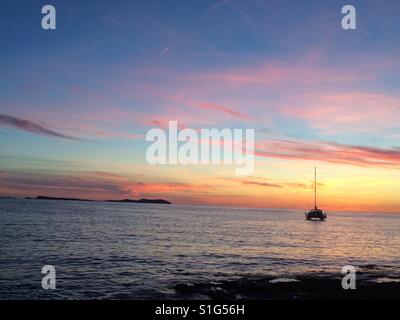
column 157, row 201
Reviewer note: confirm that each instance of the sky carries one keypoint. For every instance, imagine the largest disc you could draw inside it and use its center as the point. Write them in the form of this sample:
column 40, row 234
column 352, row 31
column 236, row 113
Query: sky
column 76, row 102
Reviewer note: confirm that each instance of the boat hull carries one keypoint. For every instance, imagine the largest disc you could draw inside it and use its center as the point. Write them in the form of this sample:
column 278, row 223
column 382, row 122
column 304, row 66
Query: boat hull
column 315, row 214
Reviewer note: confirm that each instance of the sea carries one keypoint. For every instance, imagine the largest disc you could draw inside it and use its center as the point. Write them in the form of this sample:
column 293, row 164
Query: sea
column 103, row 250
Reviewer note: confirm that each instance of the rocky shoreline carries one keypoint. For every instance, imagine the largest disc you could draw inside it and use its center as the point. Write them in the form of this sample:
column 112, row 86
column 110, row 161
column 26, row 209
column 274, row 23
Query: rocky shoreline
column 306, row 287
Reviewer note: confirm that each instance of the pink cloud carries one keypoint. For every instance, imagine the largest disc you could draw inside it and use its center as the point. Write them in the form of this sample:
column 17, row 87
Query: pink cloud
column 176, row 106
column 91, row 185
column 224, row 109
column 307, row 89
column 330, row 152
column 354, row 111
column 303, row 72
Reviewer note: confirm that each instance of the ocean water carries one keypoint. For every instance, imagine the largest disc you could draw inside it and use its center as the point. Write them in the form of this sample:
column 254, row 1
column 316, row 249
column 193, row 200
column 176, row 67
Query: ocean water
column 142, row 251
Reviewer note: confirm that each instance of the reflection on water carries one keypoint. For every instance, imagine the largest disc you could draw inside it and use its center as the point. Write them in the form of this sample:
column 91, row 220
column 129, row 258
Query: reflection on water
column 118, row 250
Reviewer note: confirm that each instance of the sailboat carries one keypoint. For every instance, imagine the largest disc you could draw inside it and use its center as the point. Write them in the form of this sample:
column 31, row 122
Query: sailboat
column 315, row 213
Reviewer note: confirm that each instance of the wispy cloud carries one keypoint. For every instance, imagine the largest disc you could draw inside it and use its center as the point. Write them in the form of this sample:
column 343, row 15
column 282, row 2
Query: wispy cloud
column 57, row 184
column 224, row 109
column 89, row 185
column 262, row 184
column 216, row 6
column 345, row 111
column 267, row 184
column 330, row 152
column 165, row 51
column 30, row 126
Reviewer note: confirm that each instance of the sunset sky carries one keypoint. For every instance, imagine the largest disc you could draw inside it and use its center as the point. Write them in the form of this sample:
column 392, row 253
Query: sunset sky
column 76, row 102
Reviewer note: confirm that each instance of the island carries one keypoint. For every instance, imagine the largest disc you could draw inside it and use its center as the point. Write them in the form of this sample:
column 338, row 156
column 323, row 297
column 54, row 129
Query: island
column 156, row 201
column 159, row 201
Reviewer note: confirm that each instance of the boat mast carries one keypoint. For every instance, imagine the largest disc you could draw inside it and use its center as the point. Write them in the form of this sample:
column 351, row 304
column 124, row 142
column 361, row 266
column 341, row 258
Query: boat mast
column 315, row 187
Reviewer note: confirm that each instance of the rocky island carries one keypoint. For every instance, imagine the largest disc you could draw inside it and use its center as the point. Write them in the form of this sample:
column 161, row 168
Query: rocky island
column 156, row 201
